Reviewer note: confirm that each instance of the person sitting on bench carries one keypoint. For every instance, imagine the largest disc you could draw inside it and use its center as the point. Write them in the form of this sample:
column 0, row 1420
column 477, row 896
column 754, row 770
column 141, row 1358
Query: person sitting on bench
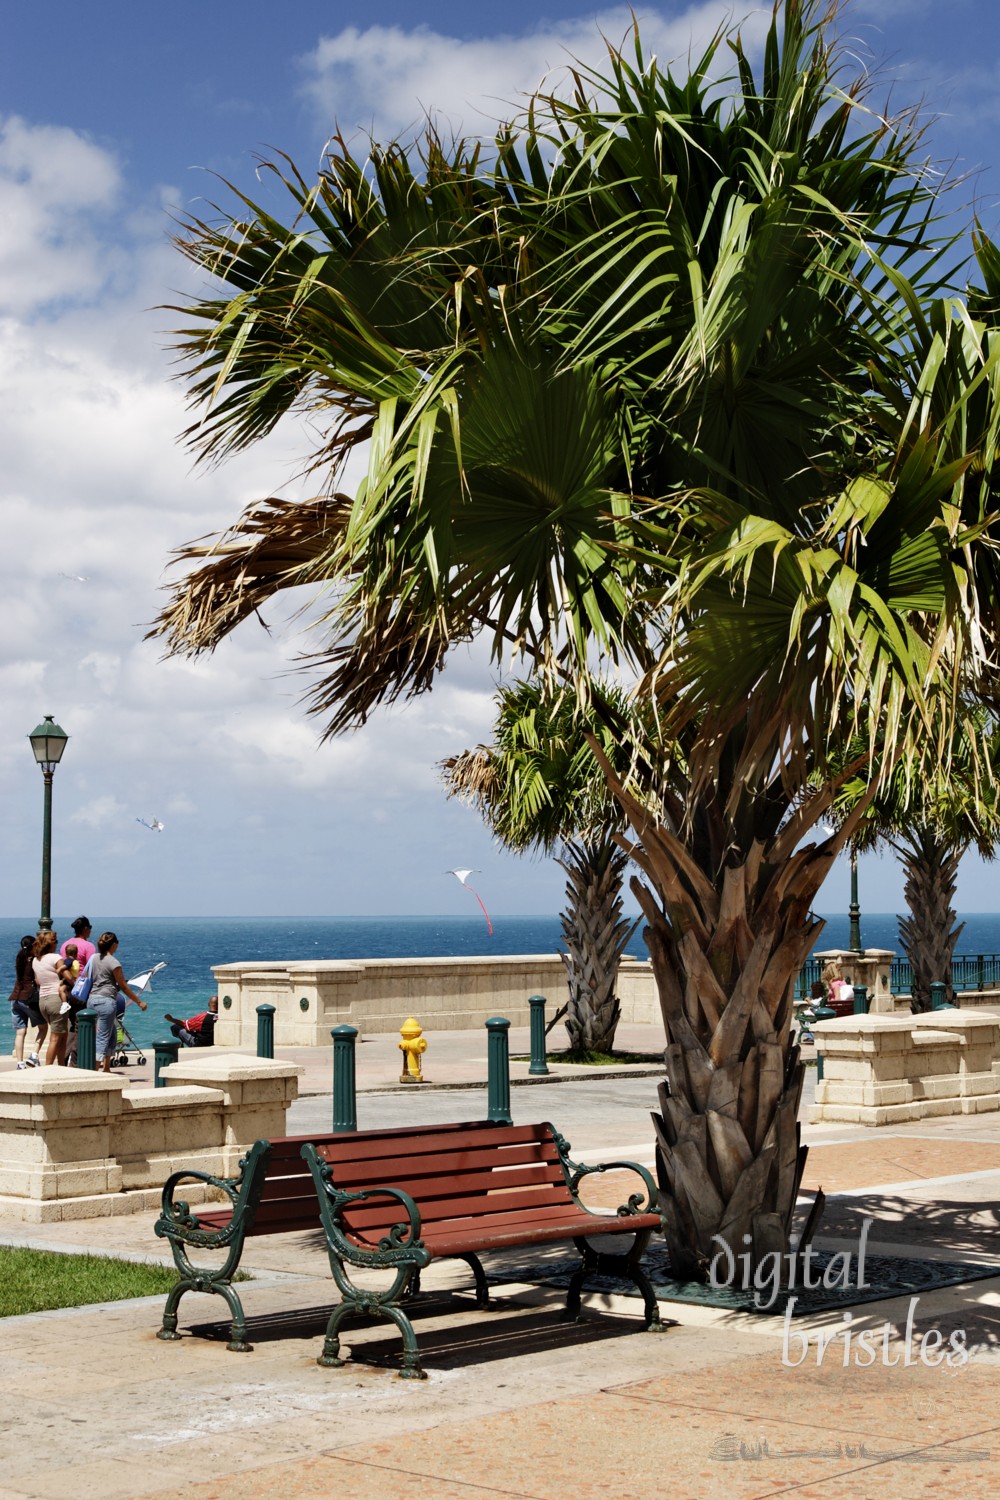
column 197, row 1031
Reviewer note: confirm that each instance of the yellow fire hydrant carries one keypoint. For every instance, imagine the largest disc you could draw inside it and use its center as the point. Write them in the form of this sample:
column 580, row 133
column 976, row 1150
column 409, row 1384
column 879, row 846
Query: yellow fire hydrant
column 413, row 1045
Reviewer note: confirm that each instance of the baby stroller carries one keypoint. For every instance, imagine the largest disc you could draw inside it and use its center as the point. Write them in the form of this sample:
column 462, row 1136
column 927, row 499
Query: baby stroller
column 125, row 1043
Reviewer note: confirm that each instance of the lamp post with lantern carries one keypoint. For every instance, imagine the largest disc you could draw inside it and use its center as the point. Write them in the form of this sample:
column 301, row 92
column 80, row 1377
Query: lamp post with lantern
column 48, row 742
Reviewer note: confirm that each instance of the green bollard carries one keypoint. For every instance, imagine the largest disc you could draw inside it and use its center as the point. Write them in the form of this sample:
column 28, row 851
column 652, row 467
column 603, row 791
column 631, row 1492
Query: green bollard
column 538, row 1067
column 345, row 1104
column 821, row 1012
column 498, row 1071
column 86, row 1039
column 265, row 1031
column 164, row 1053
column 860, row 999
column 938, row 989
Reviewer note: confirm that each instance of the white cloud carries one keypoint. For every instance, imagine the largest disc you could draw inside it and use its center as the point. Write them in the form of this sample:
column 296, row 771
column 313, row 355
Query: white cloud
column 52, row 183
column 385, row 79
column 259, row 816
column 100, row 812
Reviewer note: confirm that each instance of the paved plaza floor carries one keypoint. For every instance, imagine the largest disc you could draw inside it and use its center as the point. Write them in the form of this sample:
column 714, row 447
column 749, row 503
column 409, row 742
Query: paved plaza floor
column 519, row 1403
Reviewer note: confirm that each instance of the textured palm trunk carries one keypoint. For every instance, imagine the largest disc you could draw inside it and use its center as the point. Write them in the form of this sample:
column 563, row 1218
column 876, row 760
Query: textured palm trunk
column 596, row 935
column 725, row 955
column 928, row 935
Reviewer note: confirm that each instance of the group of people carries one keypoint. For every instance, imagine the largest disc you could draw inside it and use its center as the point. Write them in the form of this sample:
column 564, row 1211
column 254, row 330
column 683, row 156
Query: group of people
column 42, row 995
column 42, row 998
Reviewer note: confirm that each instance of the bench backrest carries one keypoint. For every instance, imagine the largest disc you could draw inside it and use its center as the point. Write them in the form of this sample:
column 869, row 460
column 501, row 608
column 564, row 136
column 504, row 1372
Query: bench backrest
column 288, row 1197
column 472, row 1172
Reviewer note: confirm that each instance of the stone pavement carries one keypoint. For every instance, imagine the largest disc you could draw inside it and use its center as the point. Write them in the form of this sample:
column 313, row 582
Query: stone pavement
column 518, row 1403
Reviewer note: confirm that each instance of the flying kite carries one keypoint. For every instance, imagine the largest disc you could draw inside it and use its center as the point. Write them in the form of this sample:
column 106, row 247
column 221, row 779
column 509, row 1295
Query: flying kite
column 144, row 981
column 155, row 827
column 462, row 876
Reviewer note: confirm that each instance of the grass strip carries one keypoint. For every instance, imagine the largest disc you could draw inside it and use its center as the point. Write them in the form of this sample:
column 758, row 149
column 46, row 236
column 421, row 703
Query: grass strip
column 38, row 1280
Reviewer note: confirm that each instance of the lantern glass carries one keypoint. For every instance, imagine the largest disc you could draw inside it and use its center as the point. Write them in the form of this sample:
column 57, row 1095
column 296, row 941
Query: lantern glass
column 48, row 741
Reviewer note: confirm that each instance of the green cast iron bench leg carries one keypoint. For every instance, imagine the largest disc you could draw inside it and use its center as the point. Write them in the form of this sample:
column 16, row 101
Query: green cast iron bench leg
column 237, row 1328
column 603, row 1262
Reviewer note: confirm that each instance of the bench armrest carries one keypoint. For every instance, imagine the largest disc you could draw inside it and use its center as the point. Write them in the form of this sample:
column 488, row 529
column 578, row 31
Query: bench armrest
column 635, row 1204
column 401, row 1246
column 575, row 1172
column 178, row 1222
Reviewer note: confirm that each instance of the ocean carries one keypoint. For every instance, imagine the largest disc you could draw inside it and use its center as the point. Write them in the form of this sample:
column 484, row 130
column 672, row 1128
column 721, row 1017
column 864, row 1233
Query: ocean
column 191, row 945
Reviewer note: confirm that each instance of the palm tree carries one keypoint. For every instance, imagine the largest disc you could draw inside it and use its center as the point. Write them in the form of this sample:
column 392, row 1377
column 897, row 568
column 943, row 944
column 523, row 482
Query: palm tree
column 931, row 815
column 677, row 378
column 539, row 787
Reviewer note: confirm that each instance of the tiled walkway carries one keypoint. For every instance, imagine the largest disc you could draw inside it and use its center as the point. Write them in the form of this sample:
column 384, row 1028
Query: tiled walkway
column 520, row 1404
column 887, row 1158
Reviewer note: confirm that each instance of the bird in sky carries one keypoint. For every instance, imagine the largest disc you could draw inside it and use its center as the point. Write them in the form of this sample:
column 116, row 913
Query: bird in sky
column 462, row 876
column 154, row 827
column 74, row 577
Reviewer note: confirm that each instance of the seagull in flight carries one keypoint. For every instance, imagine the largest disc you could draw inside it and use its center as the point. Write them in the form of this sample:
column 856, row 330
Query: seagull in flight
column 154, row 827
column 74, row 577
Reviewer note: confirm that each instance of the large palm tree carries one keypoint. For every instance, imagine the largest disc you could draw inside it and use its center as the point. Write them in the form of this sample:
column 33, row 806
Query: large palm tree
column 676, row 377
column 538, row 786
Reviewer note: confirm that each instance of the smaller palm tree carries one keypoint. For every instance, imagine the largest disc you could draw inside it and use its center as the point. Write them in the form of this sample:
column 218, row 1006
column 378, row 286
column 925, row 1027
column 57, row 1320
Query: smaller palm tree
column 930, row 816
column 539, row 787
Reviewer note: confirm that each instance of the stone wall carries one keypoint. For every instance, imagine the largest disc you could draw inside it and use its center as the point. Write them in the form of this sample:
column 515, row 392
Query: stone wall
column 376, row 995
column 883, row 1069
column 80, row 1145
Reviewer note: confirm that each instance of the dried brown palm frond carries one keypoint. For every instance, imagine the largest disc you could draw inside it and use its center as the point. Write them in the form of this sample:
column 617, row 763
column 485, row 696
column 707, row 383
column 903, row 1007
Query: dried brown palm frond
column 275, row 545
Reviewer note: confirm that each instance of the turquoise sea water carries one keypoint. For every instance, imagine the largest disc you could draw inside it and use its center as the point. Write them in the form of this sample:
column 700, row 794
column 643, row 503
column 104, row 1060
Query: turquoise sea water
column 191, row 945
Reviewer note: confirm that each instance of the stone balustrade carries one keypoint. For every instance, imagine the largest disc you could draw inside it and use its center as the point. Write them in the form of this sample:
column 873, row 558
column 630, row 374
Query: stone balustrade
column 80, row 1145
column 374, row 995
column 884, row 1069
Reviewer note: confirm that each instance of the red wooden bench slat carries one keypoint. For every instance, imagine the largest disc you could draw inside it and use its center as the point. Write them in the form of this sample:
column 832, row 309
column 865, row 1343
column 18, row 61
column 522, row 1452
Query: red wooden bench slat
column 425, row 1190
column 500, row 1206
column 444, row 1197
column 273, row 1219
column 468, row 1239
column 294, row 1212
column 372, row 1146
column 348, row 1174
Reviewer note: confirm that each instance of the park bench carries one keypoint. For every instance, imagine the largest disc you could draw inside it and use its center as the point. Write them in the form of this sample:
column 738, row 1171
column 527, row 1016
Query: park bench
column 397, row 1199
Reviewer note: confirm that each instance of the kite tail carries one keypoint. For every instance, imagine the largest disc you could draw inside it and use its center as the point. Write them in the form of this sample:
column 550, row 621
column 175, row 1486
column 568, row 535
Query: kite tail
column 489, row 924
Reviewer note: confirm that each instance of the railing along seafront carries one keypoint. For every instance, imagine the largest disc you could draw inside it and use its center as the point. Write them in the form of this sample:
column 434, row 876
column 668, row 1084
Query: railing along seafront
column 969, row 971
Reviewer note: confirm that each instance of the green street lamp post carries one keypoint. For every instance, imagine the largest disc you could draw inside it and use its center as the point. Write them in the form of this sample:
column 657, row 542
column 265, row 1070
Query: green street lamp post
column 48, row 742
column 854, row 910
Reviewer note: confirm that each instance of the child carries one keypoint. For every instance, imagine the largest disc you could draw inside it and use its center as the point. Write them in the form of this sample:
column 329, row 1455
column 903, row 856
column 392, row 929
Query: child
column 70, row 975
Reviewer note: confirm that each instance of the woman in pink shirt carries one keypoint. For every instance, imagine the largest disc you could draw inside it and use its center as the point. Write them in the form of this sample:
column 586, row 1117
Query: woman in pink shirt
column 84, row 947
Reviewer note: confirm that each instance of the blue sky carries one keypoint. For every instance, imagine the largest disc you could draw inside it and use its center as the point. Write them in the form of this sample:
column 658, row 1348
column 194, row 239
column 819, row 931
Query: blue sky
column 112, row 118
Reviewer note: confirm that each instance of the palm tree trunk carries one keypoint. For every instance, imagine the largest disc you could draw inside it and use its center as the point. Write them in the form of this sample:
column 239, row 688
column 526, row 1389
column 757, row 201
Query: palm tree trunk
column 725, row 956
column 928, row 935
column 596, row 936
